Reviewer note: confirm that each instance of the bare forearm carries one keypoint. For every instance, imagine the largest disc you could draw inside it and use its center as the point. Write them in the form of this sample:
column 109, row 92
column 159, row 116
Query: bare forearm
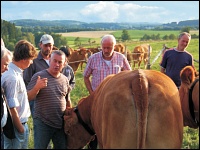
column 69, row 104
column 32, row 93
column 88, row 84
column 16, row 120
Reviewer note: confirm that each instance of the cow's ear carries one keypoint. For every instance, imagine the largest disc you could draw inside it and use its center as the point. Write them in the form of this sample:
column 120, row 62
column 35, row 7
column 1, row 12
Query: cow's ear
column 68, row 111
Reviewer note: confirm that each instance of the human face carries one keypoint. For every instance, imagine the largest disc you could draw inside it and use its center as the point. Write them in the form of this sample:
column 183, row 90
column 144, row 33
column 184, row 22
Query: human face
column 27, row 63
column 183, row 42
column 107, row 49
column 4, row 63
column 56, row 63
column 46, row 49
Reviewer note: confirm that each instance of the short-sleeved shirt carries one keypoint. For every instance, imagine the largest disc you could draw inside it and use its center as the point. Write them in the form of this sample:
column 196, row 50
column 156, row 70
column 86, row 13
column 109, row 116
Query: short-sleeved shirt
column 69, row 73
column 50, row 102
column 15, row 91
column 99, row 69
column 38, row 64
column 174, row 61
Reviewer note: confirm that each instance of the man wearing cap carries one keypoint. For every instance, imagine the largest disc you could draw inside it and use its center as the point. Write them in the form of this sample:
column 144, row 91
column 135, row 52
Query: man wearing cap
column 40, row 63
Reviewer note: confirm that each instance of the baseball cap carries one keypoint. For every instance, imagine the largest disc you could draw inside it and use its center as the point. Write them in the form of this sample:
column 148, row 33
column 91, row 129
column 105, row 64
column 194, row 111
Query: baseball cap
column 46, row 38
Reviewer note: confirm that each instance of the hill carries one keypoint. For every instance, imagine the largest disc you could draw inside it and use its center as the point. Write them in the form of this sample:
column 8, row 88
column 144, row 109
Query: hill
column 102, row 26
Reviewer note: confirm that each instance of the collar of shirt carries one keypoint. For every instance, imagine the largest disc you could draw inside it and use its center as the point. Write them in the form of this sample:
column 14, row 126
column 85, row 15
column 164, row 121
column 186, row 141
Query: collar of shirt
column 14, row 67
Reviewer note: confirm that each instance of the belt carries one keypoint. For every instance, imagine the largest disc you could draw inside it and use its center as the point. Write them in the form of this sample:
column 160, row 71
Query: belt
column 24, row 123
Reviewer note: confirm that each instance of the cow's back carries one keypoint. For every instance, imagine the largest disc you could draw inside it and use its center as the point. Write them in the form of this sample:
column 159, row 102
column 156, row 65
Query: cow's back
column 149, row 111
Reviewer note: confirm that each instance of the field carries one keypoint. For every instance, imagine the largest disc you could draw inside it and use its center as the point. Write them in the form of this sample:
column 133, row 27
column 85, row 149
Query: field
column 87, row 34
column 191, row 136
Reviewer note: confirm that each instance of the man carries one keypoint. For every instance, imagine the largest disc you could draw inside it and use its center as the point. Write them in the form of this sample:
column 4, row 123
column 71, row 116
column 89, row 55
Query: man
column 102, row 64
column 6, row 120
column 40, row 63
column 67, row 70
column 16, row 95
column 50, row 87
column 174, row 60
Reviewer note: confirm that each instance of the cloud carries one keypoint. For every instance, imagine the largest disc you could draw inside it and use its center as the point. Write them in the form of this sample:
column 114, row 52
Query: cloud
column 109, row 11
column 102, row 11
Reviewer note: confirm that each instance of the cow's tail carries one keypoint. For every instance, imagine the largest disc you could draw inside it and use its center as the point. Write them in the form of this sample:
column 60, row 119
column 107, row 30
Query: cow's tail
column 140, row 95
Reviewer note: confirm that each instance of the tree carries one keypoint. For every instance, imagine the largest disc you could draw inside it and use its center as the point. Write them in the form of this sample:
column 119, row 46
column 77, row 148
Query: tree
column 125, row 36
column 186, row 29
column 77, row 41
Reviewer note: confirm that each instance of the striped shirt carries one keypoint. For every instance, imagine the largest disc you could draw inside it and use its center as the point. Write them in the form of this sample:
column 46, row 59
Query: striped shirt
column 15, row 91
column 99, row 69
column 50, row 102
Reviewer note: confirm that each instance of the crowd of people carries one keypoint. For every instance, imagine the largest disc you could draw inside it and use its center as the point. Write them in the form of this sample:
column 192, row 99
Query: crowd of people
column 38, row 84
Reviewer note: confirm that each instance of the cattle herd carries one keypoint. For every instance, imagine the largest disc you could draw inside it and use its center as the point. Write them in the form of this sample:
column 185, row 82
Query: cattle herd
column 141, row 112
column 140, row 54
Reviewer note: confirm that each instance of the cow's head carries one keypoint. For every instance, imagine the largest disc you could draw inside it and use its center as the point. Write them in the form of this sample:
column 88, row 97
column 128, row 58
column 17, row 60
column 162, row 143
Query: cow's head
column 187, row 75
column 77, row 136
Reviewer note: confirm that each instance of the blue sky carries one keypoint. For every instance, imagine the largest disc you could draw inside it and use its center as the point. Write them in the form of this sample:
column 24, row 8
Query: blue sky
column 102, row 11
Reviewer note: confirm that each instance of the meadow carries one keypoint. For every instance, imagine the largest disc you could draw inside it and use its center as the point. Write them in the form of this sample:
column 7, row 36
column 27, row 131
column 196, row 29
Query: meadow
column 191, row 136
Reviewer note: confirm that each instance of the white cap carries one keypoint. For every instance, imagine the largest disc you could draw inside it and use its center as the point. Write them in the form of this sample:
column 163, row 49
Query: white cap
column 46, row 38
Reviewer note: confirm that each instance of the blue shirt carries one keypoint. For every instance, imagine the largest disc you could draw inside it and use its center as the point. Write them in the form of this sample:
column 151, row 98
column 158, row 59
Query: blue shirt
column 15, row 91
column 174, row 61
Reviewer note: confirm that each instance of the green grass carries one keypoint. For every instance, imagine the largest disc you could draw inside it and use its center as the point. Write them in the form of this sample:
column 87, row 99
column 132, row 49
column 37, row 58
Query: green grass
column 190, row 136
column 137, row 34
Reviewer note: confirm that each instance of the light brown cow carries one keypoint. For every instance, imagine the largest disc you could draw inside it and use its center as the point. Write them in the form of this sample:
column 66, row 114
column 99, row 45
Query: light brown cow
column 189, row 94
column 138, row 56
column 141, row 53
column 90, row 51
column 119, row 48
column 129, row 110
column 76, row 57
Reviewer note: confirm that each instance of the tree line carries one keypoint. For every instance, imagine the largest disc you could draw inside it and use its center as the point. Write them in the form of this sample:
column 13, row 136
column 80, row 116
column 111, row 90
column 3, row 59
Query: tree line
column 12, row 34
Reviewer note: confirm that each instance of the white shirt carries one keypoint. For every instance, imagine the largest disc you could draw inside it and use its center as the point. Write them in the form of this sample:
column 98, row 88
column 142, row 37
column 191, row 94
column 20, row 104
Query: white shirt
column 15, row 91
column 5, row 115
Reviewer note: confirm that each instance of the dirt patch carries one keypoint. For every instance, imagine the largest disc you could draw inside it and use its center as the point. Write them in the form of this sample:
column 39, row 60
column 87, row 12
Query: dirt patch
column 86, row 34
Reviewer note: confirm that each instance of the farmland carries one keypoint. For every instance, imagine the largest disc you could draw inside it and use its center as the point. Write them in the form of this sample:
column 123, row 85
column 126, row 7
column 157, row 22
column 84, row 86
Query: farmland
column 191, row 136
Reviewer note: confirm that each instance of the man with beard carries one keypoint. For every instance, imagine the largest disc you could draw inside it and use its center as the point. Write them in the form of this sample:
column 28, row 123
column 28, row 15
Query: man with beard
column 40, row 63
column 102, row 64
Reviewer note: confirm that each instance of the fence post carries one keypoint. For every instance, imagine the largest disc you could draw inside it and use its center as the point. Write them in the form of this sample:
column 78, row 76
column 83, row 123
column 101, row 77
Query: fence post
column 149, row 65
column 125, row 52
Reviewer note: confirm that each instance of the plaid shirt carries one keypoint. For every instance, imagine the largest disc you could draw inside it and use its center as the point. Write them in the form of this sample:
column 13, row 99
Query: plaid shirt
column 99, row 69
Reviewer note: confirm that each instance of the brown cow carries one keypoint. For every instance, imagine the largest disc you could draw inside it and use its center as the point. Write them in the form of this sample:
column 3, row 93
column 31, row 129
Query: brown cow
column 189, row 95
column 129, row 110
column 119, row 48
column 140, row 53
column 76, row 57
column 138, row 56
column 90, row 51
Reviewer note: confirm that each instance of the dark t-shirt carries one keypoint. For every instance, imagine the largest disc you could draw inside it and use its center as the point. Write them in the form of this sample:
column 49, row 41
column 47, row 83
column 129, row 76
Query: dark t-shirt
column 174, row 61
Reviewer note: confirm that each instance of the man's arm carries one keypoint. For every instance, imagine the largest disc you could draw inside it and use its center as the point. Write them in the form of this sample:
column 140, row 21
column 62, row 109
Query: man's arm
column 41, row 83
column 16, row 120
column 88, row 84
column 162, row 70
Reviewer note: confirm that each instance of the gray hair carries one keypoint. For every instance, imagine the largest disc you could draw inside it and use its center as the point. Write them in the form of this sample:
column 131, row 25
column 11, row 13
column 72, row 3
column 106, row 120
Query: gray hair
column 58, row 52
column 109, row 36
column 5, row 51
column 184, row 33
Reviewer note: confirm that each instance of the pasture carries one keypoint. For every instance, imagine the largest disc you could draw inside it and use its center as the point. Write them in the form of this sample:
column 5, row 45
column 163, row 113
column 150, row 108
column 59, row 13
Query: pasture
column 191, row 136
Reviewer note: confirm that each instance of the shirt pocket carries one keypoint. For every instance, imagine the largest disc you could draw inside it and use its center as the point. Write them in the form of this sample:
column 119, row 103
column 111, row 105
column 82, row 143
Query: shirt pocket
column 116, row 69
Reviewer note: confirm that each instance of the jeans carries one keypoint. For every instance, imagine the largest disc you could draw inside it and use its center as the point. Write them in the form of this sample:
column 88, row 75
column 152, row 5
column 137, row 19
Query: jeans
column 21, row 140
column 2, row 140
column 44, row 133
column 32, row 103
